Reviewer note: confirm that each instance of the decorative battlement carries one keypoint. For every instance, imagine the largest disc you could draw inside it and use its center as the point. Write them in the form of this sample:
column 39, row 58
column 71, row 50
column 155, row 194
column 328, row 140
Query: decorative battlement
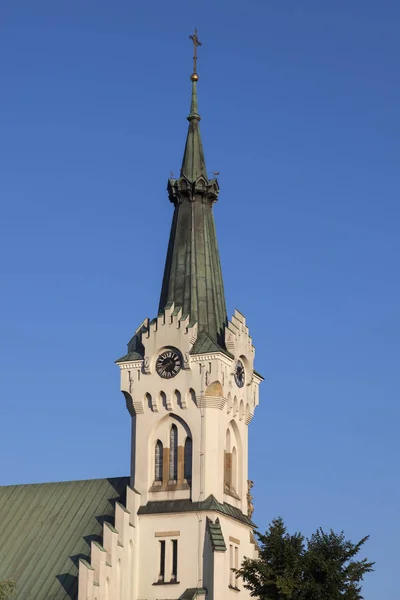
column 109, row 573
column 172, row 330
column 169, row 328
column 238, row 340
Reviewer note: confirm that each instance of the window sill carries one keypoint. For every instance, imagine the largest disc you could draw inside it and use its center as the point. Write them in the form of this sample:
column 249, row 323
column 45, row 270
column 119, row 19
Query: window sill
column 171, row 486
column 232, row 493
column 234, row 588
column 172, row 582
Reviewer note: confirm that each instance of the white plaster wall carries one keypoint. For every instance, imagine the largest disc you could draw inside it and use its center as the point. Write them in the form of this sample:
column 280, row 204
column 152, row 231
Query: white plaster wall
column 153, row 401
column 194, row 560
column 190, row 542
column 234, row 529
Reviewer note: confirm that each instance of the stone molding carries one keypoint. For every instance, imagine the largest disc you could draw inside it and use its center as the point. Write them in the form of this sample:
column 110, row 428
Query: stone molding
column 137, row 364
column 212, row 402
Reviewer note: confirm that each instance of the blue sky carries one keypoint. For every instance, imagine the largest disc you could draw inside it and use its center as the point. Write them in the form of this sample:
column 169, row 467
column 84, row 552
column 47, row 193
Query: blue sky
column 300, row 116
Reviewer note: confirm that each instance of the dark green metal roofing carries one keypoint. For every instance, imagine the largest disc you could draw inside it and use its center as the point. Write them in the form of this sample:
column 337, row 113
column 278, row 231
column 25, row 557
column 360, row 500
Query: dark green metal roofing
column 46, row 528
column 192, row 593
column 258, row 374
column 178, row 506
column 216, row 536
column 130, row 357
column 193, row 163
column 204, row 344
column 192, row 275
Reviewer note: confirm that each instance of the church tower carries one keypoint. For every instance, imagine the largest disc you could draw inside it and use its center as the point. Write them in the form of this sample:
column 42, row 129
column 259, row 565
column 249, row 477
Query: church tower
column 191, row 390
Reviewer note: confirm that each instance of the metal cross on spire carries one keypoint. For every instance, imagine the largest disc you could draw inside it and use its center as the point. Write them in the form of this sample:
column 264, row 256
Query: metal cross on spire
column 196, row 43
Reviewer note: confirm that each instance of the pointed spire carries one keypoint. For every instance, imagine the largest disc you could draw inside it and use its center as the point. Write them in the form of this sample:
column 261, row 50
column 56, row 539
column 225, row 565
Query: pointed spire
column 193, row 163
column 194, row 110
column 192, row 276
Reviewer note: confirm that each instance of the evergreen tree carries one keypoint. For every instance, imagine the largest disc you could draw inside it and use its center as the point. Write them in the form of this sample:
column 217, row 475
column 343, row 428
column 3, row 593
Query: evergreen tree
column 7, row 588
column 292, row 568
column 330, row 571
column 277, row 573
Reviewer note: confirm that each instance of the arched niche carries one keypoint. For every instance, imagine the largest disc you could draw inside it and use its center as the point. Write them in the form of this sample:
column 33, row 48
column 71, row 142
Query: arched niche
column 162, row 400
column 177, row 399
column 247, row 415
column 215, row 389
column 191, row 396
column 241, row 410
column 229, row 403
column 235, row 406
column 129, row 403
column 148, row 402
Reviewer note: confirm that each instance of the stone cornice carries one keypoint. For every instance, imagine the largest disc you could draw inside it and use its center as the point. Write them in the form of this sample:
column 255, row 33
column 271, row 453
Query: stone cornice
column 138, row 364
column 211, row 356
column 258, row 378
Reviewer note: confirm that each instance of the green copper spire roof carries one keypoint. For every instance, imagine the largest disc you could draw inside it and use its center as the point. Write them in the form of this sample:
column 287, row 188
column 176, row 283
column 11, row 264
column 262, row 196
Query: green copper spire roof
column 193, row 277
column 193, row 164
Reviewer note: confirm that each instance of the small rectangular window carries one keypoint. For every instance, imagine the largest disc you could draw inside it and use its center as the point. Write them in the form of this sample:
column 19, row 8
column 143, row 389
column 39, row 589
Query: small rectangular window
column 161, row 574
column 231, row 565
column 174, row 574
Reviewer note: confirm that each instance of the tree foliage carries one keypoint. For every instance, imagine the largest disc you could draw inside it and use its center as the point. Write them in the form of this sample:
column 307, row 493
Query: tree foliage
column 291, row 567
column 7, row 588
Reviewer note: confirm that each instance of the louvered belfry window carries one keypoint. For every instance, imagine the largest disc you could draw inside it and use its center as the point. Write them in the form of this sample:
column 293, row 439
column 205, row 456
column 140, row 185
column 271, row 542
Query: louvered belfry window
column 173, row 453
column 188, row 460
column 158, row 463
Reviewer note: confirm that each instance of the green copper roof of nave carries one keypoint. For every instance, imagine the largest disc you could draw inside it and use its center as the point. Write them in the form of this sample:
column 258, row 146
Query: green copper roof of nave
column 46, row 528
column 192, row 275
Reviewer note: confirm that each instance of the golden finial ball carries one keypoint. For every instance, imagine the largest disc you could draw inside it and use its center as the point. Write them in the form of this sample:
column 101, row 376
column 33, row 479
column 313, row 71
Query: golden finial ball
column 194, row 77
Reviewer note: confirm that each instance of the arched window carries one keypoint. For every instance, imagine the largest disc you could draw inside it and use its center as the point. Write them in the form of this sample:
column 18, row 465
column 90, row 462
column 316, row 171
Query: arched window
column 227, row 463
column 234, row 470
column 173, row 453
column 187, row 469
column 228, row 441
column 158, row 462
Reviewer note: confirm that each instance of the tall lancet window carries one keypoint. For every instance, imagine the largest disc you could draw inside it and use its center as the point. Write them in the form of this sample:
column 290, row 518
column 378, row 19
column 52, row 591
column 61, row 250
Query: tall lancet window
column 173, row 453
column 187, row 469
column 158, row 462
column 234, row 471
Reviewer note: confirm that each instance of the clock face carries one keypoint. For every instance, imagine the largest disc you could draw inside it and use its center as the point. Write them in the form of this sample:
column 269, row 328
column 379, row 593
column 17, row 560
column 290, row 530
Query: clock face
column 239, row 374
column 168, row 364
